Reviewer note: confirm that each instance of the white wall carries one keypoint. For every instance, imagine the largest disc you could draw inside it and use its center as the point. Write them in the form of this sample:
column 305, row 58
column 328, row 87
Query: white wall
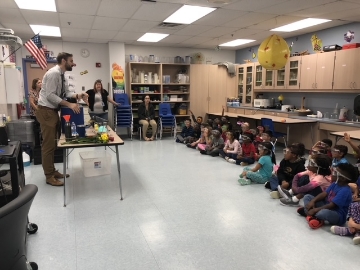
column 98, row 53
column 214, row 56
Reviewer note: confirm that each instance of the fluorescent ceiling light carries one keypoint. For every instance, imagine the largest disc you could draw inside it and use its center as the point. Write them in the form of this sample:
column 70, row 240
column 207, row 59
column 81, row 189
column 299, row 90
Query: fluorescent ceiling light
column 300, row 25
column 237, row 42
column 44, row 30
column 42, row 5
column 152, row 37
column 188, row 14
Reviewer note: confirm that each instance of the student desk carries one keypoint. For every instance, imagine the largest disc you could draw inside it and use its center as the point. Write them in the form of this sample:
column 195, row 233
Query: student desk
column 276, row 119
column 90, row 132
column 354, row 134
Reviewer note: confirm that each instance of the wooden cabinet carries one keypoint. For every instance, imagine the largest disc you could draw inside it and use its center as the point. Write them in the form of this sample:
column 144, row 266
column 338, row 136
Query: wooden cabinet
column 317, row 71
column 252, row 111
column 264, row 79
column 280, row 114
column 347, row 70
column 211, row 85
column 289, row 76
column 235, row 110
column 245, row 84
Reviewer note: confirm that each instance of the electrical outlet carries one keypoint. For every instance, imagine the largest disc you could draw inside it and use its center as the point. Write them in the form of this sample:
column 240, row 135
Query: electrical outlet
column 83, row 88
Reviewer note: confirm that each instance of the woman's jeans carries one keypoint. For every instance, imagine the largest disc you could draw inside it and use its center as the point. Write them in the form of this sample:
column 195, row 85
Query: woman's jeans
column 325, row 214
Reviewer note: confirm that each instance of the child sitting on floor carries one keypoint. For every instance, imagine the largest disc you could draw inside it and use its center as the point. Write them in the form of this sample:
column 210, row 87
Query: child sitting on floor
column 200, row 140
column 187, row 131
column 207, row 139
column 325, row 143
column 232, row 147
column 331, row 205
column 356, row 148
column 217, row 143
column 198, row 120
column 312, row 181
column 263, row 169
column 248, row 151
column 265, row 137
column 339, row 152
column 259, row 132
column 292, row 164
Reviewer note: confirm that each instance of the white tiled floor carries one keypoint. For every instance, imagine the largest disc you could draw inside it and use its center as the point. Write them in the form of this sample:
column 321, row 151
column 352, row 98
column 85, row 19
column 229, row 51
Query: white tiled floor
column 181, row 210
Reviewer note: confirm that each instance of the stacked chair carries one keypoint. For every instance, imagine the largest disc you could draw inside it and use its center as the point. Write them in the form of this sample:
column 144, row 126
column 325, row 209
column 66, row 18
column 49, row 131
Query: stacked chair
column 124, row 115
column 268, row 124
column 166, row 119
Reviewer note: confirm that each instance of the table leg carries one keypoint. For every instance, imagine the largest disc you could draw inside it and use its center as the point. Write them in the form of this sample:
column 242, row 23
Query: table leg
column 64, row 172
column 287, row 134
column 118, row 166
column 67, row 163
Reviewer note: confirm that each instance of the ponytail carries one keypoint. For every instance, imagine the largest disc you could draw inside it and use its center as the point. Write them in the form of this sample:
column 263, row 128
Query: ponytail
column 273, row 158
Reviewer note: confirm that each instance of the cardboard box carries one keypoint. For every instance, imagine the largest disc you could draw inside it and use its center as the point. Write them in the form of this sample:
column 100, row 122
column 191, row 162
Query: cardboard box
column 351, row 46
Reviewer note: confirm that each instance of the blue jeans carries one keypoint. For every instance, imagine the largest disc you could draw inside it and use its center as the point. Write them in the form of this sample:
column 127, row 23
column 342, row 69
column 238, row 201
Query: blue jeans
column 247, row 160
column 230, row 155
column 325, row 214
column 101, row 115
column 274, row 182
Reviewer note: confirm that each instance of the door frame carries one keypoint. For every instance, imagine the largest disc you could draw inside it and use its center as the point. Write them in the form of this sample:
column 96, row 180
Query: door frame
column 26, row 91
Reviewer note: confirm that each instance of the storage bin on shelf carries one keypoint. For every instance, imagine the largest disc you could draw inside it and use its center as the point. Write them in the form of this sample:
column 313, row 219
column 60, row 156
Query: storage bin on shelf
column 95, row 163
column 183, row 109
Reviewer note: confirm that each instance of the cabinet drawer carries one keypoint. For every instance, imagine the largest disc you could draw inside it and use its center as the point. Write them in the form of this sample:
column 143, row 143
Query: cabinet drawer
column 277, row 114
column 247, row 111
column 232, row 110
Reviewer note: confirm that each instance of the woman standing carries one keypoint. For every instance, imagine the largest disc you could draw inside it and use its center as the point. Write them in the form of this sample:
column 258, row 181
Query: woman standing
column 146, row 114
column 33, row 99
column 98, row 101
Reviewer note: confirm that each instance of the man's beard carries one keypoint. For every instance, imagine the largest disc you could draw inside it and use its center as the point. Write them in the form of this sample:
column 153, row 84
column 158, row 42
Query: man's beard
column 68, row 67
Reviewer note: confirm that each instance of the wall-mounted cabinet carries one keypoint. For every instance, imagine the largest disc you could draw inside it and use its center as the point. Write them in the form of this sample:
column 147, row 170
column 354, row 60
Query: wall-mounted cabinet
column 289, row 76
column 245, row 84
column 317, row 71
column 264, row 79
column 347, row 70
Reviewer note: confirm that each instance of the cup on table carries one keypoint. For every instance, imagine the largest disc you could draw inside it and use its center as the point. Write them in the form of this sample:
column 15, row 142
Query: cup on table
column 81, row 131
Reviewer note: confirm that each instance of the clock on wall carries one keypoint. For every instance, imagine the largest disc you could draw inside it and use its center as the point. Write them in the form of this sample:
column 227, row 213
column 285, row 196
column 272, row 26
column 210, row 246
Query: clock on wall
column 85, row 53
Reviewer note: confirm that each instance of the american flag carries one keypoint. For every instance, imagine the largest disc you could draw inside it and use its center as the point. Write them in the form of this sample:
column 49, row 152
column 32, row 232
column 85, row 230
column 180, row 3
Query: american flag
column 35, row 47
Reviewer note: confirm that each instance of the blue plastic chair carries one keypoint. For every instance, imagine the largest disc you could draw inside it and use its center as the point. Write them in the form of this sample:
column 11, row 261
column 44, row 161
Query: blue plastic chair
column 124, row 115
column 166, row 119
column 269, row 125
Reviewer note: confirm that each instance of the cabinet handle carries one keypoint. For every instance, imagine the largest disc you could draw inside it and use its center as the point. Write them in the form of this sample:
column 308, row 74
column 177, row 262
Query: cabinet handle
column 312, row 85
column 351, row 85
column 315, row 85
column 354, row 84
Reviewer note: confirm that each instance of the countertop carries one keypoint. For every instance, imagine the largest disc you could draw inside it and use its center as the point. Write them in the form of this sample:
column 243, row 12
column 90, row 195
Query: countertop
column 259, row 109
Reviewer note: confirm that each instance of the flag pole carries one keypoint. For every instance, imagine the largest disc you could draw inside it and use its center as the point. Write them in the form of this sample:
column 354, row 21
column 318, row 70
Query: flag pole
column 2, row 61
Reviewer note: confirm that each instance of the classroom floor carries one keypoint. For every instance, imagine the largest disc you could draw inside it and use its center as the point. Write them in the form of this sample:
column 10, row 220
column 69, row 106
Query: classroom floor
column 181, row 210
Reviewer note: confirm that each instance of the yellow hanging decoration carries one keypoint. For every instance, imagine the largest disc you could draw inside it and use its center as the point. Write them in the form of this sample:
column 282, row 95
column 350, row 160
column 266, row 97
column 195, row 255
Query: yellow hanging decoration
column 273, row 53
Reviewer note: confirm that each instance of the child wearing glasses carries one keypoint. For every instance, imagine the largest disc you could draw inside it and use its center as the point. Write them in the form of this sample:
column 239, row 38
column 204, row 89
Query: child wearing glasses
column 312, row 181
column 217, row 143
column 248, row 151
column 339, row 152
column 326, row 144
column 263, row 169
column 292, row 164
column 332, row 205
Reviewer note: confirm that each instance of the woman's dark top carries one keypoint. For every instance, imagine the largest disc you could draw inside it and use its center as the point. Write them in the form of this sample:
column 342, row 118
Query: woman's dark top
column 143, row 113
column 91, row 99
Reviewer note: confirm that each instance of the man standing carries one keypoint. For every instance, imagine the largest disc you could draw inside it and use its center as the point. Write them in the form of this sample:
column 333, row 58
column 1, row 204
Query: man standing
column 53, row 90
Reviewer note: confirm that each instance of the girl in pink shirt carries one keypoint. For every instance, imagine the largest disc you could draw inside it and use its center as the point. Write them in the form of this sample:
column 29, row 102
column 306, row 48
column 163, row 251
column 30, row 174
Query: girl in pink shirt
column 232, row 147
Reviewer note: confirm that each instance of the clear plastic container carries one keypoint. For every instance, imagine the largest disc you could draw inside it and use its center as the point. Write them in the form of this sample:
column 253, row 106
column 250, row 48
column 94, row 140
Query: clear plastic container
column 95, row 163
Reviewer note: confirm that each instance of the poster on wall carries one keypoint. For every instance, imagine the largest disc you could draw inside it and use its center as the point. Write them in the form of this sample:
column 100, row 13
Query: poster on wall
column 71, row 81
column 118, row 79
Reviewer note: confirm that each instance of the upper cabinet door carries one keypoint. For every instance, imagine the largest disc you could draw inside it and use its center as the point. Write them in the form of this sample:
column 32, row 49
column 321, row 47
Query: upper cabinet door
column 324, row 70
column 259, row 77
column 346, row 72
column 308, row 71
column 292, row 73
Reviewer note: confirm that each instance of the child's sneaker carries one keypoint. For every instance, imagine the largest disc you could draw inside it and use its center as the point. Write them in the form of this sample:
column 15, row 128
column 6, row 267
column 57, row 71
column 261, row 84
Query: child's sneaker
column 203, row 152
column 284, row 193
column 244, row 181
column 244, row 164
column 275, row 194
column 301, row 211
column 343, row 231
column 226, row 158
column 315, row 223
column 288, row 202
column 267, row 185
column 356, row 238
column 230, row 160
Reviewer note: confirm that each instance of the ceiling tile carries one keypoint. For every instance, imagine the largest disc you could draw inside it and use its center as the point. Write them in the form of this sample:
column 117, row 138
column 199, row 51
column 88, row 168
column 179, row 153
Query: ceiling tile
column 314, row 12
column 347, row 15
column 75, row 32
column 351, row 1
column 138, row 26
column 77, row 21
column 194, row 29
column 84, row 7
column 20, row 29
column 118, row 9
column 293, row 5
column 75, row 39
column 249, row 19
column 94, row 40
column 155, row 11
column 162, row 30
column 102, row 34
column 11, row 15
column 175, row 39
column 196, row 40
column 252, row 5
column 354, row 19
column 245, row 32
column 8, row 4
column 275, row 22
column 105, row 23
column 41, row 17
column 219, row 17
column 218, row 31
column 122, row 36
